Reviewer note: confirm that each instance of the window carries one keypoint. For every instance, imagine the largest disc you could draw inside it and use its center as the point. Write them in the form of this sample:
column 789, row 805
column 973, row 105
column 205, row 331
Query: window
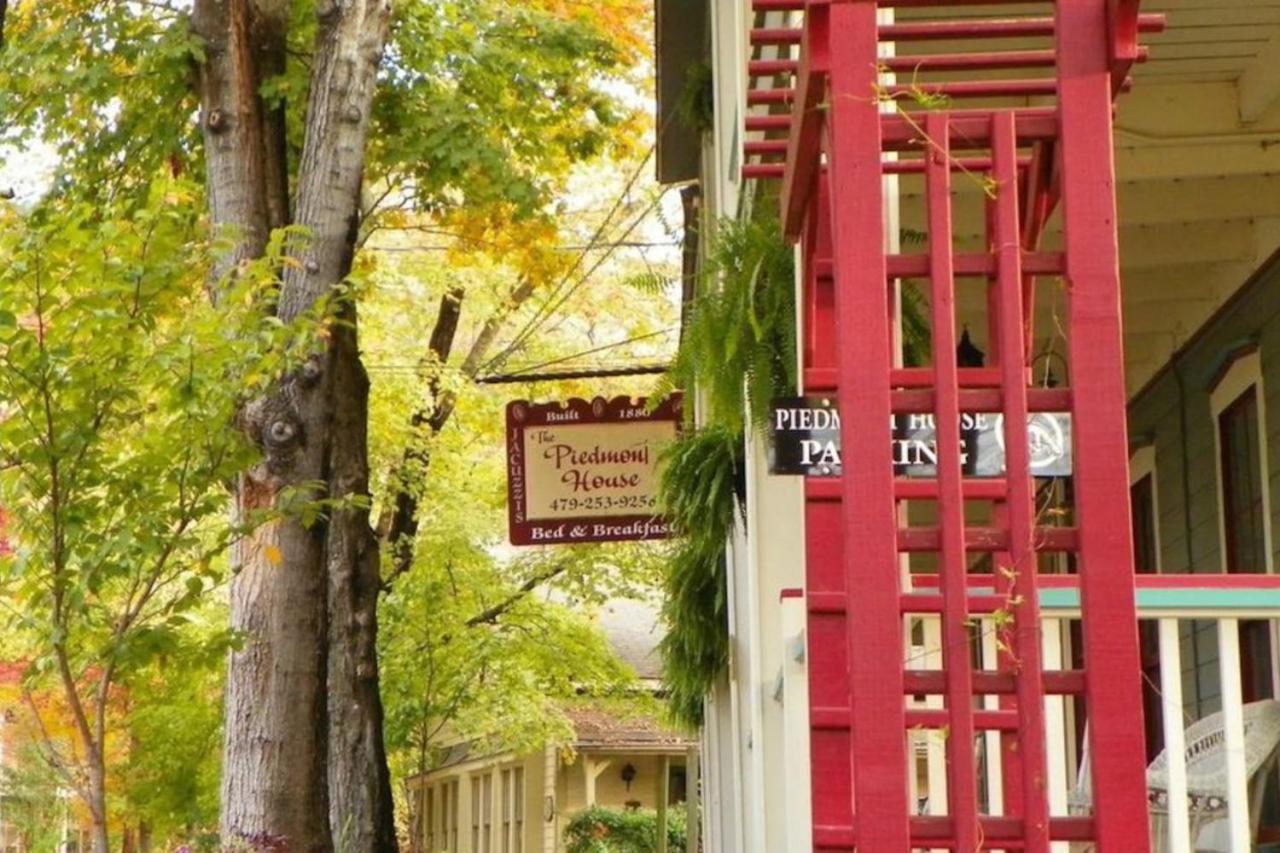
column 506, row 810
column 1243, row 510
column 1245, row 548
column 517, row 799
column 1142, row 502
column 486, row 827
column 429, row 817
column 476, row 807
column 453, row 817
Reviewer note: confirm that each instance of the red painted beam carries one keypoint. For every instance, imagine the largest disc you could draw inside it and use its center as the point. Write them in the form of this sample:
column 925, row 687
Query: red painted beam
column 1020, row 566
column 985, row 29
column 1038, row 400
column 972, row 89
column 776, row 35
column 757, row 97
column 781, row 122
column 925, row 682
column 987, row 539
column 764, row 147
column 778, row 5
column 990, row 61
column 975, row 264
column 948, row 30
column 772, row 67
column 870, row 561
column 971, row 128
column 805, row 140
column 921, row 603
column 767, row 147
column 1099, row 433
column 983, row 720
column 922, row 377
column 828, row 489
column 938, row 829
column 959, row 164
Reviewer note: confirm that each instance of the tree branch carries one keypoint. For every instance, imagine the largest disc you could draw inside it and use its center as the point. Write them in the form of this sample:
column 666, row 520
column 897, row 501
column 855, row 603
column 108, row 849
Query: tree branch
column 494, row 613
column 398, row 527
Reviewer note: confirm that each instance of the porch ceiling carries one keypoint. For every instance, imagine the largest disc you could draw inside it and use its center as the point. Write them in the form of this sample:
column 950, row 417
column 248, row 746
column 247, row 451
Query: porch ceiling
column 1198, row 168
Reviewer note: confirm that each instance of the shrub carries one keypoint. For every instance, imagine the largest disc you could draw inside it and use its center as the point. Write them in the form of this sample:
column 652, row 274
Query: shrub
column 603, row 830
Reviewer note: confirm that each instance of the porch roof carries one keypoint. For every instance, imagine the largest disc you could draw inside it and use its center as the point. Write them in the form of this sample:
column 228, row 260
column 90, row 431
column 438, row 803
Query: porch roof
column 1197, row 144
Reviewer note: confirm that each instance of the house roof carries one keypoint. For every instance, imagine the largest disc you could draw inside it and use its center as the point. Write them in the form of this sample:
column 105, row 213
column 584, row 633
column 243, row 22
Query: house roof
column 633, row 629
column 596, row 728
column 599, row 728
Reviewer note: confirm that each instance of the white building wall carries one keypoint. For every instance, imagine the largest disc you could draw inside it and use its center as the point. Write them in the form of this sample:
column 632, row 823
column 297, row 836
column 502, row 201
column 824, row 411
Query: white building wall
column 749, row 775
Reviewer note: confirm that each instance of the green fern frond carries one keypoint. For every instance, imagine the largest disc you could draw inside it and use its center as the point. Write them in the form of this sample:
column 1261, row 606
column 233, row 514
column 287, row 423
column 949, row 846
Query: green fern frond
column 649, row 283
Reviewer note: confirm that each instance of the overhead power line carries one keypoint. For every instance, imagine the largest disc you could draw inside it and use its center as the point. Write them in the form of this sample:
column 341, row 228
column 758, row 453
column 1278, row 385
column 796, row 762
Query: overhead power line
column 539, row 315
column 562, row 376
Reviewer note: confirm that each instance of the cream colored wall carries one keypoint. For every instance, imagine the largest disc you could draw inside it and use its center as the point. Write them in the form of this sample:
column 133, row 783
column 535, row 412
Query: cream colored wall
column 569, row 791
column 610, row 790
column 532, row 834
column 743, row 760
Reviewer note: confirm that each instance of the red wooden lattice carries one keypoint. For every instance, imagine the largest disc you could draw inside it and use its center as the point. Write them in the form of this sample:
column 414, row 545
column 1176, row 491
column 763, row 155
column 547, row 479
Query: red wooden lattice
column 831, row 140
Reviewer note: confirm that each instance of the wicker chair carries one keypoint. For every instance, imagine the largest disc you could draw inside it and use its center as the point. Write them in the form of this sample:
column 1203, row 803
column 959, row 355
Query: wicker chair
column 1206, row 762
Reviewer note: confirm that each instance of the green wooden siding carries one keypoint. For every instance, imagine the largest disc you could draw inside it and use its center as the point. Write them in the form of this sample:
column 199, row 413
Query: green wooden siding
column 1173, row 414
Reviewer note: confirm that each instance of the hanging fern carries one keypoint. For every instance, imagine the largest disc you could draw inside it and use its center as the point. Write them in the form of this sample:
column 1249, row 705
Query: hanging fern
column 738, row 346
column 698, row 475
column 697, row 104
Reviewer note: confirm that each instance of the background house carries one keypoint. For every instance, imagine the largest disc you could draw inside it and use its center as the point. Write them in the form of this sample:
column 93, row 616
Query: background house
column 619, row 757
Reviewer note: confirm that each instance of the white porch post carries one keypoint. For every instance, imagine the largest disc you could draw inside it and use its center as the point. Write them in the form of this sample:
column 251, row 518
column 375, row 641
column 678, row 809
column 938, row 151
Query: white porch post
column 1233, row 730
column 661, row 793
column 1055, row 718
column 1174, row 736
column 693, row 800
column 797, row 810
column 549, row 813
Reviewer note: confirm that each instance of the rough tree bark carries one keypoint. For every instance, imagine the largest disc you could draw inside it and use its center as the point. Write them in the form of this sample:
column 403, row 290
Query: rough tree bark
column 304, row 757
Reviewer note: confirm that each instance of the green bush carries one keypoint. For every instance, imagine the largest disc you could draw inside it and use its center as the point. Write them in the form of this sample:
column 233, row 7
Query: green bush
column 602, row 830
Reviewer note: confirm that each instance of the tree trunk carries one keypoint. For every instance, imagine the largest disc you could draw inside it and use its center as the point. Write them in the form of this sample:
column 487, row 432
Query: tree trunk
column 275, row 740
column 304, row 761
column 349, row 48
column 100, row 840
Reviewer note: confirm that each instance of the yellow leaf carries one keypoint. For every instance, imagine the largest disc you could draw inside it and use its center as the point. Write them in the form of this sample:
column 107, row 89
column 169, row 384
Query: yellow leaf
column 273, row 554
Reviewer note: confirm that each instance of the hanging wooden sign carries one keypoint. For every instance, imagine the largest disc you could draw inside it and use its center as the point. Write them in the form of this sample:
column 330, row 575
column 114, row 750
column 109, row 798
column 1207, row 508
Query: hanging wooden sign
column 587, row 471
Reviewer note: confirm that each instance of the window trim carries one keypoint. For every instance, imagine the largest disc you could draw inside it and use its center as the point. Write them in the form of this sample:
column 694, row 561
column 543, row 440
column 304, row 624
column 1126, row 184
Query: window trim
column 1142, row 463
column 1244, row 373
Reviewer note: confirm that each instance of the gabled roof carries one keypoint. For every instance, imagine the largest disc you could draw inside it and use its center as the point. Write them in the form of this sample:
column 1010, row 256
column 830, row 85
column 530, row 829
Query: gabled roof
column 634, row 629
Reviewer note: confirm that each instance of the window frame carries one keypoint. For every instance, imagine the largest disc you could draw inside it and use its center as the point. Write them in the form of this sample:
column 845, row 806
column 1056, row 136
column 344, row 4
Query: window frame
column 1142, row 464
column 1244, row 374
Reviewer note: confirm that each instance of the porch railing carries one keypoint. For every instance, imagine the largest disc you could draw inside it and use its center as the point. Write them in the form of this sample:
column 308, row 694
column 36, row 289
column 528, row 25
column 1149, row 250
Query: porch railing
column 1165, row 602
